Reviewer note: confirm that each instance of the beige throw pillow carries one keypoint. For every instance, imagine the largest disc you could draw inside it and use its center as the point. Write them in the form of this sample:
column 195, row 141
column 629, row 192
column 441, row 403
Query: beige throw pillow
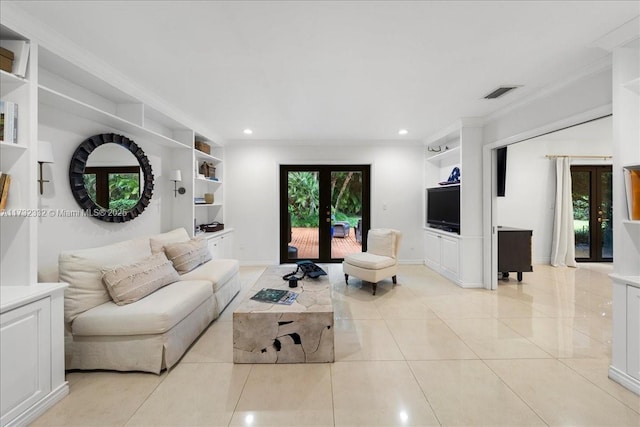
column 382, row 242
column 186, row 256
column 159, row 241
column 129, row 283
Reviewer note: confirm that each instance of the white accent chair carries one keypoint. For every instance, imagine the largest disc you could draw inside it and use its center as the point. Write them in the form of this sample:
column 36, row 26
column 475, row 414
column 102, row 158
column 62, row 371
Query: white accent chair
column 379, row 262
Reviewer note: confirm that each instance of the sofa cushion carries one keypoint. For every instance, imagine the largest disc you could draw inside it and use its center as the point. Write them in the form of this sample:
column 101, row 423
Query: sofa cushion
column 381, row 242
column 129, row 283
column 369, row 261
column 186, row 256
column 217, row 271
column 154, row 314
column 159, row 241
column 82, row 270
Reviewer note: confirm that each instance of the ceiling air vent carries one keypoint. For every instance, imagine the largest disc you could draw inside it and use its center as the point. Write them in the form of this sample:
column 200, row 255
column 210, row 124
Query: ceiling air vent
column 500, row 91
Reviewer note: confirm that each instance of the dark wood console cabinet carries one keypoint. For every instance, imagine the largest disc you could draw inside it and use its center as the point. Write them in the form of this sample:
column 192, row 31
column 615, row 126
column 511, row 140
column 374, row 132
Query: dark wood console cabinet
column 514, row 251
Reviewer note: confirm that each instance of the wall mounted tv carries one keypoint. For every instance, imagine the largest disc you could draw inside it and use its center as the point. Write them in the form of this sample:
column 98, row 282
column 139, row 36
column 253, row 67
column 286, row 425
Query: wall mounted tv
column 443, row 208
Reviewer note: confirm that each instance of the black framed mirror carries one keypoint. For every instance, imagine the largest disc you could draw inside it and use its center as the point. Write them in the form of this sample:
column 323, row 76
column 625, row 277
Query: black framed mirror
column 111, row 193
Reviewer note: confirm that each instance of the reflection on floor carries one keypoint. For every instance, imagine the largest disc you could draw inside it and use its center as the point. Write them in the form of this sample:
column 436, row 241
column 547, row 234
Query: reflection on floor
column 424, row 352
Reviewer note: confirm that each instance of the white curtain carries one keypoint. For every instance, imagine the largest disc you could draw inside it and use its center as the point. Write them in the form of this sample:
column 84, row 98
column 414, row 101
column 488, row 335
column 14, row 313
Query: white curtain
column 563, row 248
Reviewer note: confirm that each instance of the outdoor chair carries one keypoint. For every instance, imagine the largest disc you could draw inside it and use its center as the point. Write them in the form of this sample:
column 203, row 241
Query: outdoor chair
column 341, row 229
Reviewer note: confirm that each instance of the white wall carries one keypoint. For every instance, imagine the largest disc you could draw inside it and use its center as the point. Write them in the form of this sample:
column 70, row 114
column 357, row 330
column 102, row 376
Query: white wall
column 529, row 200
column 58, row 233
column 251, row 191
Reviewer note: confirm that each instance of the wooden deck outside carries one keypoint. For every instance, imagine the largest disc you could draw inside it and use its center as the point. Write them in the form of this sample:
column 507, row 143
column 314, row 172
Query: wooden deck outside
column 306, row 240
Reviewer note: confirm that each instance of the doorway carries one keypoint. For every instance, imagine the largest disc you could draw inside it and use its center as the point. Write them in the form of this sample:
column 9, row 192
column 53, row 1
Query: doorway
column 324, row 211
column 592, row 212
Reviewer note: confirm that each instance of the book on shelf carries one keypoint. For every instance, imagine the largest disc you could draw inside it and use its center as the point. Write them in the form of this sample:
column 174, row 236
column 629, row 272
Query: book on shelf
column 8, row 121
column 278, row 296
column 5, row 182
column 632, row 190
column 20, row 49
column 199, row 201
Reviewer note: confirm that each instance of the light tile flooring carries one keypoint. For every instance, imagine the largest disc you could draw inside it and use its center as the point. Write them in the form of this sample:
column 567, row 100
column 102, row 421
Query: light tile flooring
column 422, row 353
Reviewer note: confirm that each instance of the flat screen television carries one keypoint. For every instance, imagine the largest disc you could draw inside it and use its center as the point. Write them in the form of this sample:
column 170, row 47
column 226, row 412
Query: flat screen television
column 443, row 208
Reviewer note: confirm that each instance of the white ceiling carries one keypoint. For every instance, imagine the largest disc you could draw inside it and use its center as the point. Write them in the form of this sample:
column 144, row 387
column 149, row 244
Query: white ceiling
column 347, row 71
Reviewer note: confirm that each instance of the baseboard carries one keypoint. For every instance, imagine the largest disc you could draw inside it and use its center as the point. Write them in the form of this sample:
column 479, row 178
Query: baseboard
column 410, row 262
column 35, row 411
column 624, row 379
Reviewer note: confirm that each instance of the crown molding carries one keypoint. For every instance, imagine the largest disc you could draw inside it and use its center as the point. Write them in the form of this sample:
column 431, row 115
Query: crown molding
column 621, row 36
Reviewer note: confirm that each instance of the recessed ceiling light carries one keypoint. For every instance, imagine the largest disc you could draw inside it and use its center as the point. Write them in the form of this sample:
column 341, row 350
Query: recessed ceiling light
column 403, row 132
column 247, row 131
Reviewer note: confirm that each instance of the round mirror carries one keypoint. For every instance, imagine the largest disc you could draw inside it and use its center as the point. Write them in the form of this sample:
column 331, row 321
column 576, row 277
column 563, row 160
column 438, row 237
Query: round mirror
column 111, row 177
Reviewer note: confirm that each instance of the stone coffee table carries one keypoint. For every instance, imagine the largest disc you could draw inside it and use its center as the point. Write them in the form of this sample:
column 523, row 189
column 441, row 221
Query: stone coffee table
column 276, row 333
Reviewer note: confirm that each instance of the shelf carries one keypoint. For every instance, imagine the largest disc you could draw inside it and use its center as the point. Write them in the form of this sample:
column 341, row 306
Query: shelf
column 206, row 205
column 72, row 106
column 204, row 156
column 208, row 181
column 11, row 147
column 631, row 221
column 10, row 82
column 446, row 155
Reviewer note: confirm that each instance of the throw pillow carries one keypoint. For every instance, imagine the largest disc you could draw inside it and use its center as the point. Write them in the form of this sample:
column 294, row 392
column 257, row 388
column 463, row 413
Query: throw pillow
column 130, row 283
column 159, row 241
column 381, row 242
column 186, row 256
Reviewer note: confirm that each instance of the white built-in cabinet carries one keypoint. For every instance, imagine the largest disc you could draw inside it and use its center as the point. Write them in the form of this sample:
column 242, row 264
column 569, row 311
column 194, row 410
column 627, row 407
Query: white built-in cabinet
column 442, row 252
column 625, row 357
column 31, row 351
column 633, row 331
column 457, row 256
column 221, row 244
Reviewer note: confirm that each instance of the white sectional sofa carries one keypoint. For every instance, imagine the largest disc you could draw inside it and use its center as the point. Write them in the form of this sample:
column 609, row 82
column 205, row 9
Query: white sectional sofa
column 153, row 332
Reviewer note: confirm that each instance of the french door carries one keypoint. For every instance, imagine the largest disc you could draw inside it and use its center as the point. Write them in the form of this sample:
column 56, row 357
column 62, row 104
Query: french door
column 324, row 211
column 592, row 212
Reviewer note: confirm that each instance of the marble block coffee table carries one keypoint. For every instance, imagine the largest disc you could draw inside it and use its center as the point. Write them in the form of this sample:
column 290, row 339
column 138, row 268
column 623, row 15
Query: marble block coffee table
column 276, row 333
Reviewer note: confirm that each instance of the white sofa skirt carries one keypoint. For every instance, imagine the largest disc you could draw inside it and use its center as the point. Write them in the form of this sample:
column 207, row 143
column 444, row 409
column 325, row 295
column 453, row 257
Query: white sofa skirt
column 148, row 353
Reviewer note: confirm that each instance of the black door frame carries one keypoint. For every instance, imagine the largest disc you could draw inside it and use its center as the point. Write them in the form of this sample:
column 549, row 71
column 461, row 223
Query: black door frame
column 324, row 176
column 595, row 199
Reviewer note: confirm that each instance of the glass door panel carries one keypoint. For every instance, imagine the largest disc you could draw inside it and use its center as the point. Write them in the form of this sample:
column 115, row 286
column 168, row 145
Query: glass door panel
column 605, row 214
column 592, row 212
column 346, row 218
column 581, row 191
column 304, row 220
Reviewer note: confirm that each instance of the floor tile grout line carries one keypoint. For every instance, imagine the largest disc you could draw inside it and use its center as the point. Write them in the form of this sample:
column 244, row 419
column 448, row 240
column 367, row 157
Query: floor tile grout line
column 513, row 391
column 598, row 386
column 424, row 394
column 244, row 385
column 166, row 375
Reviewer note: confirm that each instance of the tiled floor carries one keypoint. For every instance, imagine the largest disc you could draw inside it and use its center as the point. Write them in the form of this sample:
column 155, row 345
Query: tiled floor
column 422, row 353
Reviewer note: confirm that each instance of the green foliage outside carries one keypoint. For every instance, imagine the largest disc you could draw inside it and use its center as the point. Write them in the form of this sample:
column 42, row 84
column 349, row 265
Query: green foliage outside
column 304, row 198
column 124, row 190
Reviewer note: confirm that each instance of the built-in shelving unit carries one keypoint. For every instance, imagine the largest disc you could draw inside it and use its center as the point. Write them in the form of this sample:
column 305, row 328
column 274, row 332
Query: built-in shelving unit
column 18, row 230
column 457, row 256
column 625, row 357
column 214, row 212
column 31, row 313
column 67, row 88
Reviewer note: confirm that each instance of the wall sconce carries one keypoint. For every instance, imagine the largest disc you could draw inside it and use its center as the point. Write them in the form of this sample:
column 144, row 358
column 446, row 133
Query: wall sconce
column 176, row 177
column 45, row 155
